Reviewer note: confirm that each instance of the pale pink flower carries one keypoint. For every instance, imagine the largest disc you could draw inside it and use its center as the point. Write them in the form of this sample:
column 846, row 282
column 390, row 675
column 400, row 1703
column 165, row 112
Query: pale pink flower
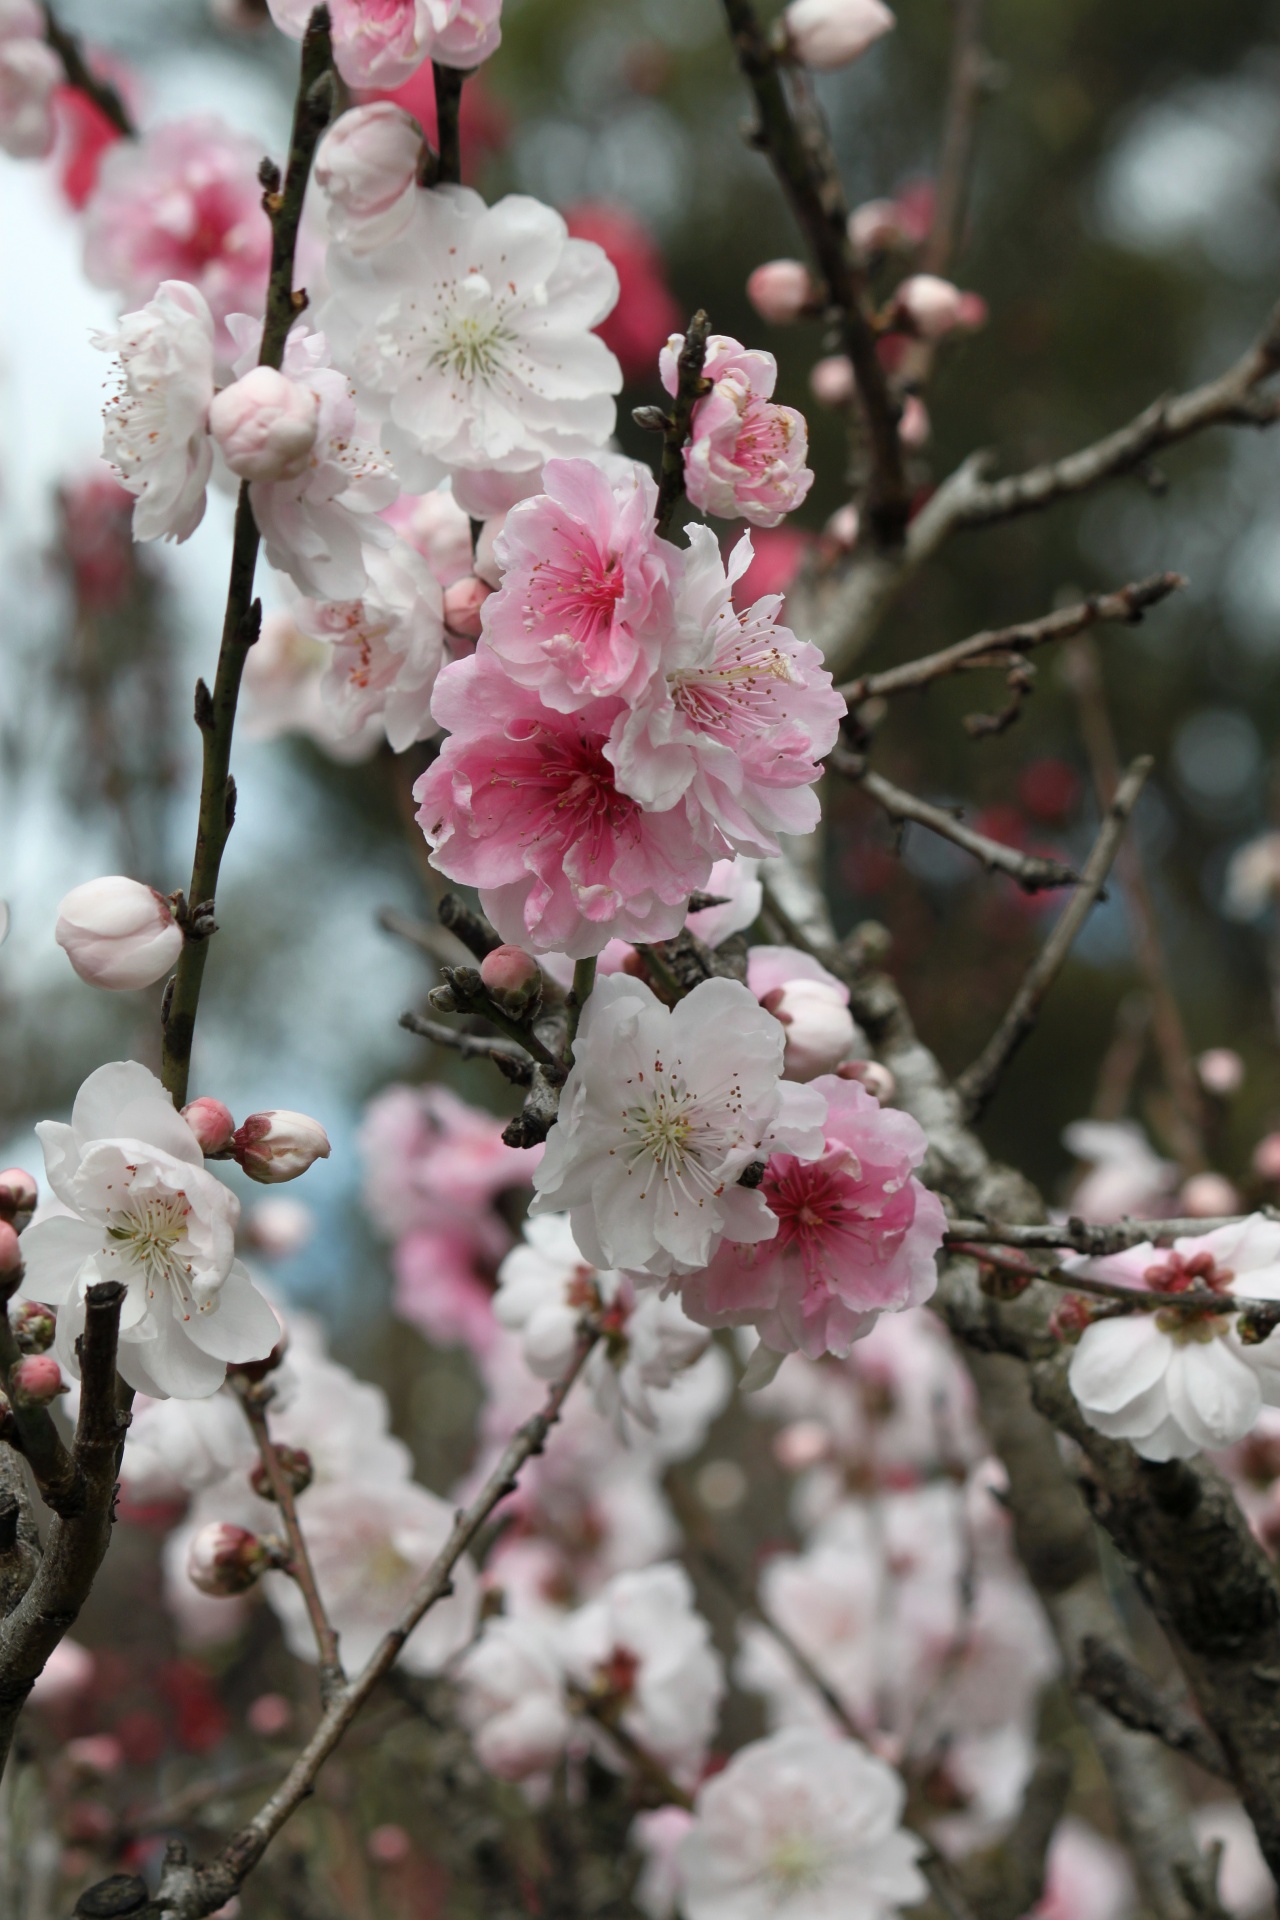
column 380, row 43
column 830, row 33
column 265, row 425
column 442, row 1284
column 511, row 1697
column 585, row 603
column 464, row 604
column 155, row 426
column 466, row 32
column 665, row 1108
column 437, row 528
column 1208, row 1195
column 856, row 1236
column 657, row 1837
column 745, row 459
column 915, row 426
column 1086, row 1877
column 1220, row 1071
column 366, row 168
column 423, row 1149
column 318, row 526
column 739, row 718
column 66, row 1674
column 473, row 334
column 930, row 305
column 523, row 804
column 385, row 648
column 30, row 71
column 283, row 692
column 1125, row 1174
column 781, row 290
column 118, row 933
column 811, row 1004
column 800, row 1826
column 182, row 203
column 831, row 380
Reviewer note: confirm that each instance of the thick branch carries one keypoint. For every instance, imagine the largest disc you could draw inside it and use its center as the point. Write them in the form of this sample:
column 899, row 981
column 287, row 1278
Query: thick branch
column 216, row 712
column 1086, row 1236
column 1033, row 872
column 978, row 1082
column 1119, row 1684
column 1126, row 606
column 81, row 76
column 188, row 1894
column 794, row 135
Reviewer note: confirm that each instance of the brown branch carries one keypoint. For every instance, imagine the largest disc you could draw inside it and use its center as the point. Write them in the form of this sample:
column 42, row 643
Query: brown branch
column 513, row 1060
column 1033, row 872
column 1086, row 1236
column 254, row 1397
column 969, row 68
column 436, row 942
column 1116, row 1682
column 216, row 712
column 81, row 76
column 447, row 83
column 1126, row 605
column 188, row 1893
column 978, row 1082
column 793, row 133
column 677, row 424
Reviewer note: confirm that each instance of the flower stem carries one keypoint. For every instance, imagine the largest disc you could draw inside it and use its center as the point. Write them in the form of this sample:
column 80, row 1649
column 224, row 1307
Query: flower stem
column 584, row 980
column 689, row 388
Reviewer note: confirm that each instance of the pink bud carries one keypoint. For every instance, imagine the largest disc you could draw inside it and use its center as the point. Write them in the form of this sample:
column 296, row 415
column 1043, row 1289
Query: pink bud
column 511, row 975
column 18, row 1193
column 36, row 1381
column 210, row 1122
column 118, row 934
column 801, row 1445
column 914, row 427
column 1221, row 1072
column 842, row 528
column 99, row 1753
column 831, row 33
column 1072, row 1315
column 932, row 306
column 1266, row 1157
column 10, row 1252
column 388, row 1846
column 270, row 1715
column 781, row 290
column 876, row 1079
column 279, row 1145
column 367, row 169
column 1206, row 1195
column 224, row 1560
column 874, row 226
column 831, row 380
column 819, row 1026
column 265, row 424
column 463, row 602
column 973, row 312
column 68, row 1672
column 33, row 1325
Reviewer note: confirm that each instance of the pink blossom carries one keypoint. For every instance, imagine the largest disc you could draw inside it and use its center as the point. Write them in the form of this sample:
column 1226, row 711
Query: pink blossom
column 746, row 456
column 29, row 73
column 438, row 528
column 464, row 608
column 739, row 720
column 781, row 290
column 183, row 203
column 811, row 1004
column 831, row 33
column 930, row 305
column 831, row 380
column 367, row 169
column 380, row 43
column 385, row 648
column 857, row 1235
column 586, row 597
column 423, row 1149
column 523, row 804
column 282, row 693
column 441, row 1284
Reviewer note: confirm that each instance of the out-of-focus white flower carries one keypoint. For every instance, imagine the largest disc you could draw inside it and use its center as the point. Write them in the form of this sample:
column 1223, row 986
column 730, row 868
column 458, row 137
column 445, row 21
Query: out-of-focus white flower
column 737, row 882
column 657, row 1837
column 118, row 933
column 184, row 1446
column 1253, row 877
column 1245, row 1886
column 30, row 70
column 137, row 1206
column 831, row 33
column 384, row 649
column 155, row 427
column 652, row 1185
column 367, row 170
column 511, row 1697
column 642, row 1648
column 474, row 333
column 280, row 1226
column 265, row 425
column 1126, row 1176
column 800, row 1826
column 278, row 1145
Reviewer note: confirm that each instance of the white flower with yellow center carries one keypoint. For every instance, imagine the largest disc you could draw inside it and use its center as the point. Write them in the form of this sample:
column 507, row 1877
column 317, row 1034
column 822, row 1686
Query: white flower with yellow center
column 136, row 1205
column 663, row 1112
column 473, row 333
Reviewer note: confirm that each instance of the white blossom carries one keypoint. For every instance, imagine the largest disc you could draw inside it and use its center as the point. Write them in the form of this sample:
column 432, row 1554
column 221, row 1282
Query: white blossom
column 511, row 1696
column 156, row 426
column 385, row 648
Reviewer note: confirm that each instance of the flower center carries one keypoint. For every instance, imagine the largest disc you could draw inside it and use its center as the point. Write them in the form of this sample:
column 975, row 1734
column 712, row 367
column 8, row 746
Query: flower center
column 474, row 338
column 149, row 1233
column 662, row 1130
column 796, row 1864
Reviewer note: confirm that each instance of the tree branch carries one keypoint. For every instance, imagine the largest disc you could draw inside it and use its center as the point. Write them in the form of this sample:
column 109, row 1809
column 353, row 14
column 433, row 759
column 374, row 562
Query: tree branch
column 1084, row 1236
column 448, row 91
column 81, row 76
column 1116, row 1682
column 675, row 432
column 964, row 91
column 978, row 1082
column 216, row 712
column 513, row 1060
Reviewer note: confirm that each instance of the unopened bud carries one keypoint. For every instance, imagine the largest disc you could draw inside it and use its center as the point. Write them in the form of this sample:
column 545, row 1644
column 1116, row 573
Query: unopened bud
column 512, row 976
column 875, row 225
column 279, row 1145
column 1266, row 1157
column 36, row 1381
column 651, row 419
column 463, row 603
column 1207, row 1195
column 265, row 424
column 10, row 1254
column 875, row 1078
column 33, row 1326
column 819, row 1026
column 224, row 1560
column 781, row 290
column 842, row 528
column 1003, row 1282
column 210, row 1122
column 118, row 934
column 295, row 1464
column 442, row 1000
column 1071, row 1316
column 18, row 1196
column 367, row 169
column 831, row 380
column 1221, row 1072
column 830, row 33
column 915, row 426
column 931, row 306
column 1256, row 1324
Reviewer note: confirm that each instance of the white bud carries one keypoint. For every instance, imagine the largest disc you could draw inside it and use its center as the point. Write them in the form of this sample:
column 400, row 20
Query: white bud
column 831, row 33
column 279, row 1145
column 224, row 1560
column 367, row 169
column 118, row 934
column 932, row 306
column 265, row 424
column 818, row 1023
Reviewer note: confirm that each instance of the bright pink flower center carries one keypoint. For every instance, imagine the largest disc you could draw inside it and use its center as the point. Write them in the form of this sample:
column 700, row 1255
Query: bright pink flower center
column 577, row 791
column 1178, row 1274
column 764, row 438
column 832, row 1219
column 575, row 594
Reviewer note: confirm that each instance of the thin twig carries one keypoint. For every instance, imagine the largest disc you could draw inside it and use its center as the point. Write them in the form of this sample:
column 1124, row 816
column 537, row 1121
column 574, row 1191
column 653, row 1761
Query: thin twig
column 436, row 942
column 1116, row 1682
column 1194, row 1302
column 300, row 1569
column 689, row 389
column 1126, row 605
column 216, row 711
column 1033, row 872
column 81, row 76
column 1096, row 1240
column 188, row 1894
column 794, row 134
column 978, row 1082
column 643, row 1763
column 964, row 91
column 513, row 1060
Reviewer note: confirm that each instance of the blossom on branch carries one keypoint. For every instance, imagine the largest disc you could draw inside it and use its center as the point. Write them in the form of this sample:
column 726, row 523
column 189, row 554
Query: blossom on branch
column 473, row 334
column 385, row 648
column 136, row 1205
column 366, row 169
column 155, row 427
column 379, row 43
column 663, row 1112
column 745, row 459
column 811, row 1005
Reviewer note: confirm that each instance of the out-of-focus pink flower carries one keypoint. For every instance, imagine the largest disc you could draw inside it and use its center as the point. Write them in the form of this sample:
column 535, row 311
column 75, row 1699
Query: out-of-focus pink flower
column 96, row 1753
column 155, row 432
column 96, row 511
column 424, row 1149
column 831, row 380
column 279, row 1226
column 182, row 203
column 367, row 169
column 831, row 33
column 842, row 528
column 67, row 1673
column 777, row 555
column 279, row 1145
column 914, row 427
column 1265, row 1161
column 464, row 607
column 29, row 72
column 1086, row 1877
column 523, row 804
column 385, row 648
column 436, row 527
column 380, row 43
column 1125, row 1176
column 857, row 1235
column 930, row 305
column 511, row 1697
column 1206, row 1196
column 118, row 933
column 746, row 456
column 265, row 425
column 388, row 1846
column 811, row 1004
column 443, row 1278
column 85, row 136
column 1221, row 1071
column 657, row 1837
column 874, row 226
column 211, row 1123
column 646, row 313
column 585, row 604
column 781, row 290
column 270, row 1715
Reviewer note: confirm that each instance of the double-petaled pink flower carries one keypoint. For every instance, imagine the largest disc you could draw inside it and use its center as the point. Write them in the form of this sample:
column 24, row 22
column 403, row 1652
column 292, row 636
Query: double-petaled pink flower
column 746, row 456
